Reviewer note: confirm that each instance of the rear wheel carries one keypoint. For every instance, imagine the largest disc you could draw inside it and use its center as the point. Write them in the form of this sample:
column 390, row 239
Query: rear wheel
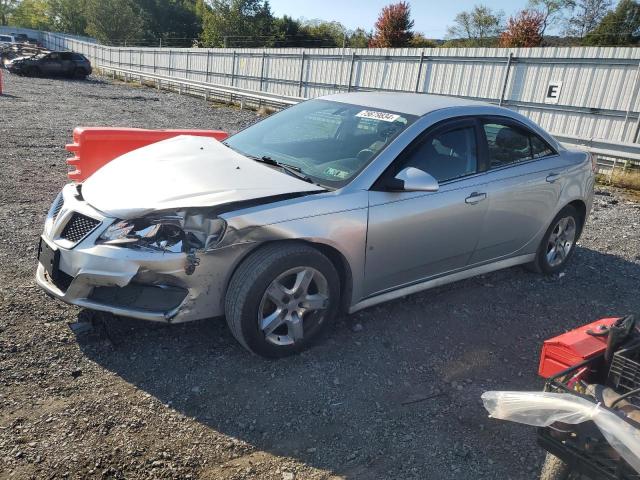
column 281, row 299
column 558, row 243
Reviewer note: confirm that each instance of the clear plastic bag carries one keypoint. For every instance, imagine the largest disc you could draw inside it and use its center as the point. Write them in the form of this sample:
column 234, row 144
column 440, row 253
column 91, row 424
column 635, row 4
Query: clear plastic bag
column 541, row 409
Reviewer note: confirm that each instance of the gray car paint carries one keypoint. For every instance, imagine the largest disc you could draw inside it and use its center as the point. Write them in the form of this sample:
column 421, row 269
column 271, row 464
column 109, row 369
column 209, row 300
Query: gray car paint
column 387, row 243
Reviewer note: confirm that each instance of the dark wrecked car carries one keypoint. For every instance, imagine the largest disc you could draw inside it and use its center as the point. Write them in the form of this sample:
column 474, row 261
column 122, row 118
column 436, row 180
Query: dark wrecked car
column 68, row 64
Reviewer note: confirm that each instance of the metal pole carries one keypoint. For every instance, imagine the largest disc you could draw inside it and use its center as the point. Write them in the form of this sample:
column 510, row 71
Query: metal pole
column 353, row 61
column 186, row 72
column 208, row 65
column 419, row 71
column 154, row 60
column 233, row 68
column 505, row 79
column 169, row 68
column 262, row 69
column 301, row 76
column 633, row 96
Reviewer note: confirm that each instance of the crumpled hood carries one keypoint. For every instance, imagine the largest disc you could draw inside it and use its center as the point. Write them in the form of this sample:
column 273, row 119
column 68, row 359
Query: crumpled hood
column 183, row 172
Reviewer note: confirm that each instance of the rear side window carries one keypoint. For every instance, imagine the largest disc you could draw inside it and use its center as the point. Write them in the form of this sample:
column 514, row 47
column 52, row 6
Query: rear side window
column 508, row 144
column 66, row 56
column 78, row 57
column 447, row 155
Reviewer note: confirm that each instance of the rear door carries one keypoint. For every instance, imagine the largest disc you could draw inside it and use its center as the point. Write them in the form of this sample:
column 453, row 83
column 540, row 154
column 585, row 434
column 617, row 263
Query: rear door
column 413, row 236
column 525, row 176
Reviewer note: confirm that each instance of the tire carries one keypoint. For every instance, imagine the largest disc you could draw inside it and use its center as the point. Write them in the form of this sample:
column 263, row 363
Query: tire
column 549, row 261
column 555, row 469
column 268, row 291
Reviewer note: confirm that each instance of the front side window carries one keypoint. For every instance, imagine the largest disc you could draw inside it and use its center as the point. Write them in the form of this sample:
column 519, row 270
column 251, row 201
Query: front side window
column 448, row 155
column 330, row 142
column 508, row 144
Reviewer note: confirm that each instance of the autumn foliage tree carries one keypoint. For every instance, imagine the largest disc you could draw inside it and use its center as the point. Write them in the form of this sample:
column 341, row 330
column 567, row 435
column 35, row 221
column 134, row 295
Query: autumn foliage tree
column 523, row 30
column 393, row 27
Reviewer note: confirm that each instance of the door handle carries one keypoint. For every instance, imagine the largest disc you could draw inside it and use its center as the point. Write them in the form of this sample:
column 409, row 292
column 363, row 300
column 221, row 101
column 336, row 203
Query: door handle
column 475, row 197
column 552, row 177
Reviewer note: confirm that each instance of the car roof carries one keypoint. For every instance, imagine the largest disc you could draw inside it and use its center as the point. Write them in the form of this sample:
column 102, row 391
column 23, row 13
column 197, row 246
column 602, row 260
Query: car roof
column 408, row 103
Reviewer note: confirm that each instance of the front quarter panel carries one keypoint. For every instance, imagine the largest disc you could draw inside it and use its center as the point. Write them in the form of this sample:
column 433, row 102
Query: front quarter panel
column 336, row 220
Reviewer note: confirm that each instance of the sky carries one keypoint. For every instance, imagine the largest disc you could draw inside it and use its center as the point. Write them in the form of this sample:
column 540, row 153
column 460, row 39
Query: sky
column 431, row 17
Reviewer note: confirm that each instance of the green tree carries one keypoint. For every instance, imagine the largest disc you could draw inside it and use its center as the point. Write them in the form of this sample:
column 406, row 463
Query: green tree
column 246, row 23
column 320, row 33
column 420, row 41
column 620, row 27
column 113, row 21
column 586, row 15
column 31, row 14
column 6, row 9
column 68, row 16
column 359, row 38
column 176, row 22
column 479, row 27
column 552, row 10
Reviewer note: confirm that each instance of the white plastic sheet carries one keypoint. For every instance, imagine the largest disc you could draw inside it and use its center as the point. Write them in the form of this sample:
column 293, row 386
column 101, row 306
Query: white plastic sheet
column 541, row 409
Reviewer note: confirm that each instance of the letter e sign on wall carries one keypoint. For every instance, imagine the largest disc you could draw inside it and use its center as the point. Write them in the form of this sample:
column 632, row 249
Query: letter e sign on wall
column 553, row 92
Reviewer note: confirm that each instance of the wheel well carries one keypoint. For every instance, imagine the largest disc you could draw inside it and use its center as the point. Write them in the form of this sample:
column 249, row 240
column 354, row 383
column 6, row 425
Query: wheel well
column 581, row 208
column 337, row 259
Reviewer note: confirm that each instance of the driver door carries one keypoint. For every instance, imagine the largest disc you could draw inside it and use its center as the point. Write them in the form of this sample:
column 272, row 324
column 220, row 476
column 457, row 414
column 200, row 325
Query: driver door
column 414, row 236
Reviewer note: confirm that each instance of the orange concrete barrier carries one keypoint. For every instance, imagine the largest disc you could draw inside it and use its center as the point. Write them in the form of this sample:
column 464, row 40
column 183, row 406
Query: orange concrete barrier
column 93, row 147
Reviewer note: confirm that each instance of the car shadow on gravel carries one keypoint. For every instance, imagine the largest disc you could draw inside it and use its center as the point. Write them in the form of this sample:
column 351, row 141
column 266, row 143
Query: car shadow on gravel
column 396, row 382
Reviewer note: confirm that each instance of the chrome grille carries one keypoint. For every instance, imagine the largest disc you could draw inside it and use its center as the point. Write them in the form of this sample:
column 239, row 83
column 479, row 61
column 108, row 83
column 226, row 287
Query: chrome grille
column 78, row 227
column 57, row 206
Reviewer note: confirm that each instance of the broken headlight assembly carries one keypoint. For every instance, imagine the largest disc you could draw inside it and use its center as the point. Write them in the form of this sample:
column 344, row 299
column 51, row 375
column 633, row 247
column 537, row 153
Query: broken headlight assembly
column 179, row 232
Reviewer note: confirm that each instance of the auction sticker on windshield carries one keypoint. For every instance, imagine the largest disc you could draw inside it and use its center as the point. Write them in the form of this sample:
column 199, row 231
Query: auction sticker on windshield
column 384, row 116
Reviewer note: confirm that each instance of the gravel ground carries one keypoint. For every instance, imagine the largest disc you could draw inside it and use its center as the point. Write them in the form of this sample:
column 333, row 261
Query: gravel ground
column 393, row 393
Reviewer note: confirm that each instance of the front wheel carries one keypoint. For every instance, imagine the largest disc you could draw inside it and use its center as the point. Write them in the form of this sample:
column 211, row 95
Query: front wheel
column 559, row 242
column 282, row 298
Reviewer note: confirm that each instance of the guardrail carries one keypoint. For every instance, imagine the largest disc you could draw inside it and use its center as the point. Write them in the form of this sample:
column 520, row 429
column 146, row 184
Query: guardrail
column 610, row 154
column 207, row 90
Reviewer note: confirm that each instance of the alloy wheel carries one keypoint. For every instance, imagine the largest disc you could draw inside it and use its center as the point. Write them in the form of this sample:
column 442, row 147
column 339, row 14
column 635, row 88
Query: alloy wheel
column 561, row 241
column 292, row 303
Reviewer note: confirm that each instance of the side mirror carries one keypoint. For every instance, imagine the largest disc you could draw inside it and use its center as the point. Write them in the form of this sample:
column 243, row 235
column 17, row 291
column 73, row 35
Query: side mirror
column 413, row 179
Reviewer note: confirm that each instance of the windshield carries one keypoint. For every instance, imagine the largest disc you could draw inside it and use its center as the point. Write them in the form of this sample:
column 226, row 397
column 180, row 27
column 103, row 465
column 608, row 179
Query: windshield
column 330, row 142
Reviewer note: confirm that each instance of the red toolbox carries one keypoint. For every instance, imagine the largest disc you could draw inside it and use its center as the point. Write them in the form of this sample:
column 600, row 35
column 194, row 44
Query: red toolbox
column 573, row 347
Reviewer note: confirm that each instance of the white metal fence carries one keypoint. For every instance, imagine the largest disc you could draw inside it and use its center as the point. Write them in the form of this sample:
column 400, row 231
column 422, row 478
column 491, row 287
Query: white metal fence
column 579, row 92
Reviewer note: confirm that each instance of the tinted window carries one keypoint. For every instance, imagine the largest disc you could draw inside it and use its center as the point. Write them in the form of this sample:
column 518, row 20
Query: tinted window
column 448, row 155
column 78, row 57
column 508, row 144
column 539, row 147
column 66, row 56
column 53, row 56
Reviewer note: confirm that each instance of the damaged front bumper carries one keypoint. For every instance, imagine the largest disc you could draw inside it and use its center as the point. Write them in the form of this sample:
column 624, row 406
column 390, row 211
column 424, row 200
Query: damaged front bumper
column 139, row 283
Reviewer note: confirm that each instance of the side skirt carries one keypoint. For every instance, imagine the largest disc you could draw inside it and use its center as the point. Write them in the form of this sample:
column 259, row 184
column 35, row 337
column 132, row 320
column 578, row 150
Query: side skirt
column 436, row 282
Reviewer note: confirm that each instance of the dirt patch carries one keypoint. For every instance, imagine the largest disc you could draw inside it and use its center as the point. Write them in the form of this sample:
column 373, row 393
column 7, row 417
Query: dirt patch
column 393, row 393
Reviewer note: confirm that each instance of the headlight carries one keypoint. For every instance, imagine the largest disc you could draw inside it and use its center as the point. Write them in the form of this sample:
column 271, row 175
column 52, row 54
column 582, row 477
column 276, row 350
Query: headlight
column 174, row 233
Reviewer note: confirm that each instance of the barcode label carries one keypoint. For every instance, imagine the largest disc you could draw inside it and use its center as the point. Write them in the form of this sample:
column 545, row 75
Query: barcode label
column 384, row 116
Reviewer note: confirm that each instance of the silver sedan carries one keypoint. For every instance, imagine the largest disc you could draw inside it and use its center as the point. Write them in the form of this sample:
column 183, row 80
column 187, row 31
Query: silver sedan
column 333, row 205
